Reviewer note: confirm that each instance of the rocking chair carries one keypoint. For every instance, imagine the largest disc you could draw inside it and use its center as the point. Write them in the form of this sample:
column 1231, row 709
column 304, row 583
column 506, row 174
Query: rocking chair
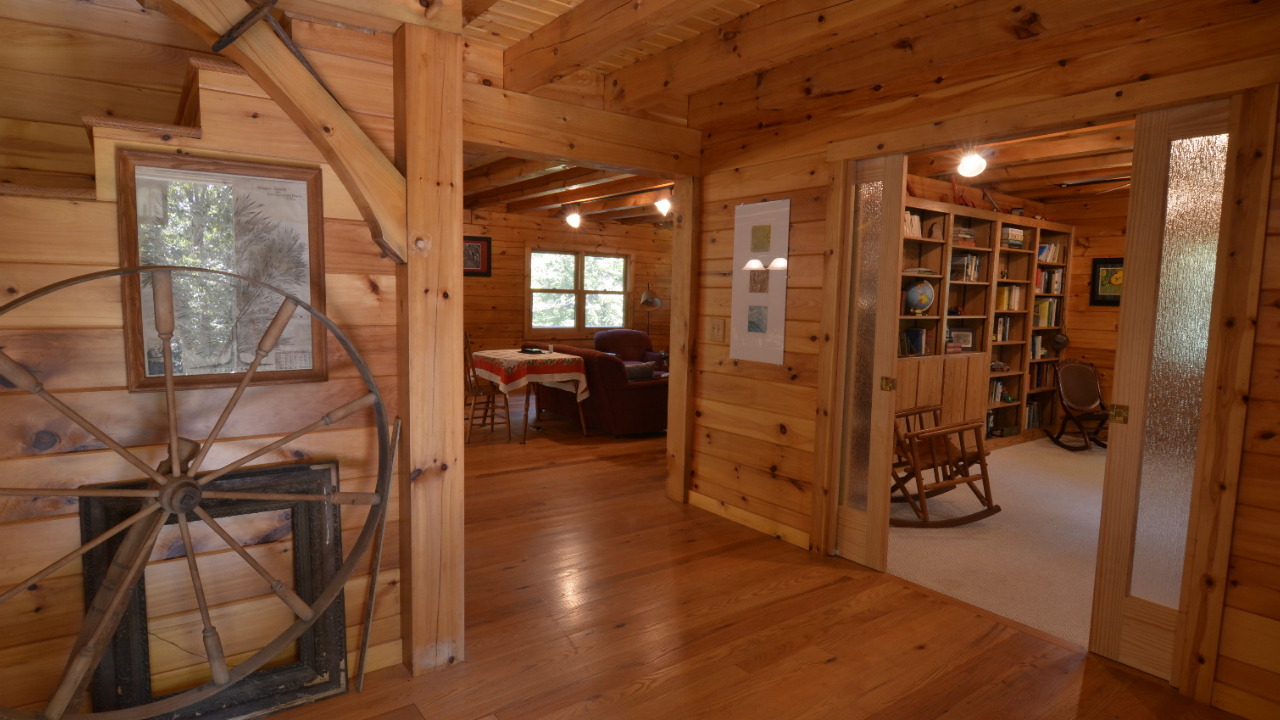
column 1080, row 396
column 932, row 459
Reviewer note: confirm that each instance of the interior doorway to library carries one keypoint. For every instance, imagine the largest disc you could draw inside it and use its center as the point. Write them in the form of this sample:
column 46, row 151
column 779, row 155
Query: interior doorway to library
column 1132, row 623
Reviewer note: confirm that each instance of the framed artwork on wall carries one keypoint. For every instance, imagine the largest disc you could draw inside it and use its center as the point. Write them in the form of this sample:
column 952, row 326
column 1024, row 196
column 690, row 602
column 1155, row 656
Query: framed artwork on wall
column 476, row 259
column 1106, row 281
column 261, row 226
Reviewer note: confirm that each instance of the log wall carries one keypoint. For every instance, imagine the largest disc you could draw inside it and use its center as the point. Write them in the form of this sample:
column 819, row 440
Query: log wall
column 74, row 344
column 921, row 86
column 496, row 314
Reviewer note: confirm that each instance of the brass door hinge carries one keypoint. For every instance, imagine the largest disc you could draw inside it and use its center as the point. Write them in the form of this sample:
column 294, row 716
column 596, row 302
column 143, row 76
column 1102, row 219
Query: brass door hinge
column 1120, row 414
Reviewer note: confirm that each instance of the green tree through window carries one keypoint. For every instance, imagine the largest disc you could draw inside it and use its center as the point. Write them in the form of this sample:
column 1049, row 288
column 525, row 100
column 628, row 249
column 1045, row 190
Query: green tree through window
column 574, row 290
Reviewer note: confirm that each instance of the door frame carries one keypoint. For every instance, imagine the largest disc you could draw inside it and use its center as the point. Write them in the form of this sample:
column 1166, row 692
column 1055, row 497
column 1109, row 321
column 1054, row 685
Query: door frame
column 1254, row 115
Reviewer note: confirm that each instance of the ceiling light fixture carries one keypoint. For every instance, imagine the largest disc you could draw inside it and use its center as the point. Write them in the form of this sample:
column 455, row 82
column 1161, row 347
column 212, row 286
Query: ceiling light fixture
column 971, row 165
column 663, row 205
column 572, row 216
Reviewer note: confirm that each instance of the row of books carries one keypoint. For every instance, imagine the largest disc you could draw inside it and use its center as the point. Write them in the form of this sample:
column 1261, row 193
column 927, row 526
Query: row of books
column 1002, row 329
column 1044, row 313
column 1012, row 237
column 1009, row 297
column 1000, row 393
column 961, row 235
column 1033, row 416
column 913, row 342
column 1038, row 349
column 1049, row 252
column 1049, row 280
column 966, row 267
column 1041, row 374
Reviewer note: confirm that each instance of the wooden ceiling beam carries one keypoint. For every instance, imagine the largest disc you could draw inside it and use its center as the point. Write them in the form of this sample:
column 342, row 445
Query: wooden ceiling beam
column 472, row 9
column 771, row 35
column 643, row 201
column 507, row 171
column 374, row 183
column 539, row 128
column 587, row 194
column 1094, row 141
column 587, row 33
column 566, row 180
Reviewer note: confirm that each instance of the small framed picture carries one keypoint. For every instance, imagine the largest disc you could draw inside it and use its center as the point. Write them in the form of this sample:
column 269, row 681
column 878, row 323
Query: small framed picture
column 476, row 259
column 1106, row 281
column 964, row 338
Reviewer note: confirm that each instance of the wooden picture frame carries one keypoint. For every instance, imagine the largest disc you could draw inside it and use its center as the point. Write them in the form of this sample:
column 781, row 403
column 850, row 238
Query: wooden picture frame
column 477, row 258
column 963, row 337
column 123, row 677
column 257, row 221
column 1106, row 280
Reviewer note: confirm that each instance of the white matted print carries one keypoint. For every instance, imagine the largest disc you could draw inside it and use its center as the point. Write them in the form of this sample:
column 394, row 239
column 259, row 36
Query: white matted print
column 759, row 301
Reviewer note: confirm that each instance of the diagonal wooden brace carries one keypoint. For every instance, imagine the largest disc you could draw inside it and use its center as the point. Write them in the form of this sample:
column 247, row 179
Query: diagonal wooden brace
column 375, row 184
column 245, row 23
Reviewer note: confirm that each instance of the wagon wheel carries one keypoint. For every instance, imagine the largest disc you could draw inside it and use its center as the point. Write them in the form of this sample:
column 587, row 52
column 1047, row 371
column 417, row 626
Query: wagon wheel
column 178, row 487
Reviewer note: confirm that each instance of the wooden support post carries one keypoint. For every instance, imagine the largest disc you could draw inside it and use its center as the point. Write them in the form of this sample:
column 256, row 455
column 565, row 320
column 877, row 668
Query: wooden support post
column 429, row 152
column 686, row 198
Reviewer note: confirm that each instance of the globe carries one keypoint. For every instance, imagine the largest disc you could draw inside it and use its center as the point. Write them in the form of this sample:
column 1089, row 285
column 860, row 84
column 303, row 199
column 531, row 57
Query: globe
column 919, row 297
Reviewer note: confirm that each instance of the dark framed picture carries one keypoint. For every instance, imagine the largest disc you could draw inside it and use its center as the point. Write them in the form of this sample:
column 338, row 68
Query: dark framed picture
column 476, row 256
column 1106, row 281
column 963, row 337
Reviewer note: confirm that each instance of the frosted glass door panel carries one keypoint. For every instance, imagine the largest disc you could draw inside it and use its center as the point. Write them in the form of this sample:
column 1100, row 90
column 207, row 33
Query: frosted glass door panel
column 1193, row 210
column 869, row 222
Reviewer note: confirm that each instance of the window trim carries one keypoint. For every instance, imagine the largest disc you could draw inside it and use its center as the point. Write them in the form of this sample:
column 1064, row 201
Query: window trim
column 579, row 328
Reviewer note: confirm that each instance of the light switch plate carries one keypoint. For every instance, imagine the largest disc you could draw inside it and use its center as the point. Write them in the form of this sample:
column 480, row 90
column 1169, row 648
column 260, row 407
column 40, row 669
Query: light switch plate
column 717, row 330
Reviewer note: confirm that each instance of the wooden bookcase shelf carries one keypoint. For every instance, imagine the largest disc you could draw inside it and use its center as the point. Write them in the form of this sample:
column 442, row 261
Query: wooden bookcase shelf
column 1000, row 287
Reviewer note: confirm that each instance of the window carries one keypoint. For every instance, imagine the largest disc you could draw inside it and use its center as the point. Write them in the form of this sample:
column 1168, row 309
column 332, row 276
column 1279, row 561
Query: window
column 577, row 291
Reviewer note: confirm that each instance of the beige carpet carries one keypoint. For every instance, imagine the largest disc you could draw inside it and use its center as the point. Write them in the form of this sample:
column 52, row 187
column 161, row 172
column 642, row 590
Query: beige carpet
column 1032, row 562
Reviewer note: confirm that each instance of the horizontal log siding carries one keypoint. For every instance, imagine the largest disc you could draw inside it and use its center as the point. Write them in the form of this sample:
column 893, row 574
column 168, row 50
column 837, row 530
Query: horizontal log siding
column 495, row 313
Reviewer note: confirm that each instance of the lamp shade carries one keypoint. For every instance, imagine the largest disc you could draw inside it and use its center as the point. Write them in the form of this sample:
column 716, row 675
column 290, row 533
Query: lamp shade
column 648, row 300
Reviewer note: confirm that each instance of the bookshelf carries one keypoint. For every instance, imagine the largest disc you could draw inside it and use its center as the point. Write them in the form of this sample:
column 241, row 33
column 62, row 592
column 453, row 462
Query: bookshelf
column 999, row 285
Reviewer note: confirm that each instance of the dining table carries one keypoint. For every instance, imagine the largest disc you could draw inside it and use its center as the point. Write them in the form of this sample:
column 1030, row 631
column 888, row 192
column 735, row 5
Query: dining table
column 512, row 369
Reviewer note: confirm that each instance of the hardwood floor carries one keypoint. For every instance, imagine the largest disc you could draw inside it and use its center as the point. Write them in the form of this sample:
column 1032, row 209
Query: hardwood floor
column 590, row 595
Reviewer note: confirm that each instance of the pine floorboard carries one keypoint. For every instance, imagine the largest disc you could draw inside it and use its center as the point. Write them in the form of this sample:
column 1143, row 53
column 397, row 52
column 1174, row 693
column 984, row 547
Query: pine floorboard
column 591, row 595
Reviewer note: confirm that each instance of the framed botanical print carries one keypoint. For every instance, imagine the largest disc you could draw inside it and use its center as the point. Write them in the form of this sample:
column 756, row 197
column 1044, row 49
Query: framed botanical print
column 1106, row 281
column 261, row 226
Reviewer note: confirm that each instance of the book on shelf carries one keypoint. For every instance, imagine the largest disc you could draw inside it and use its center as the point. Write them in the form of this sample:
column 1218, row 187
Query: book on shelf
column 1049, row 280
column 913, row 342
column 1049, row 252
column 1009, row 297
column 1012, row 237
column 1045, row 312
column 1033, row 416
column 965, row 236
column 966, row 267
column 911, row 224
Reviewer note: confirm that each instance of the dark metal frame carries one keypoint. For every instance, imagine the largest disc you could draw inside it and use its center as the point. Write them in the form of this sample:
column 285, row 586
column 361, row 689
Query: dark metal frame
column 1100, row 264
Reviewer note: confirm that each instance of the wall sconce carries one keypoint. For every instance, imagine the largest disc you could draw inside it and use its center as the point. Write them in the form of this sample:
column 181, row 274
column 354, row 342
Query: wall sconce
column 971, row 165
column 778, row 263
column 663, row 205
column 572, row 216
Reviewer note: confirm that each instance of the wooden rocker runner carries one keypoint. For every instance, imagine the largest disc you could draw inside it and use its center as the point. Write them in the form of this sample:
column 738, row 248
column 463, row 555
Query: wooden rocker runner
column 178, row 489
column 932, row 459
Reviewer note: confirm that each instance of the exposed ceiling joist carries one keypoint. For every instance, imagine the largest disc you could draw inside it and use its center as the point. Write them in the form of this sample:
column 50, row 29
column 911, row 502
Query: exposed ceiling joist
column 564, row 181
column 587, row 194
column 507, row 171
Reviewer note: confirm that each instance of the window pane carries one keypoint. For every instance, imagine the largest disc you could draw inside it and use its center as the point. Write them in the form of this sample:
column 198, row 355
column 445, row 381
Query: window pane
column 604, row 310
column 553, row 310
column 551, row 271
column 604, row 273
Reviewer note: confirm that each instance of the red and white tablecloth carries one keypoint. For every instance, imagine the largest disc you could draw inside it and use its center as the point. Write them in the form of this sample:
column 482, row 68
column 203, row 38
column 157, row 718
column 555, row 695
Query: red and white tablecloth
column 512, row 370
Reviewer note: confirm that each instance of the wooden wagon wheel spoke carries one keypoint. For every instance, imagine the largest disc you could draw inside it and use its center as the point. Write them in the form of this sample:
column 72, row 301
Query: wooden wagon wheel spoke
column 333, row 416
column 290, row 598
column 265, row 345
column 212, row 641
column 24, row 380
column 103, row 615
column 175, row 493
column 78, row 552
column 162, row 301
column 336, row 498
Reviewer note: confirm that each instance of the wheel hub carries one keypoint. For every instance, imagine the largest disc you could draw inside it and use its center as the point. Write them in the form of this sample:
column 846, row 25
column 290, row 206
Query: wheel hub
column 181, row 496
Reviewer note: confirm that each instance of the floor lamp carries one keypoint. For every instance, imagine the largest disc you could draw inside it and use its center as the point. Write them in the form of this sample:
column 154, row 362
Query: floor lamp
column 649, row 302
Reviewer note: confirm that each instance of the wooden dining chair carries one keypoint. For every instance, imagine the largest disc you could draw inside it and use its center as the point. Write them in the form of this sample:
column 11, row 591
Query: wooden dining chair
column 932, row 459
column 1084, row 414
column 482, row 398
